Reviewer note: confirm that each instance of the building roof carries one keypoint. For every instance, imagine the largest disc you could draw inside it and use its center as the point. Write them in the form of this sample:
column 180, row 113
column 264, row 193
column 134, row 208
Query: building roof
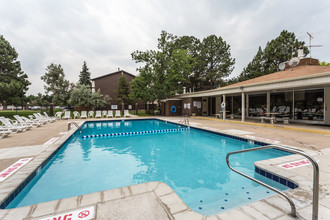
column 304, row 76
column 120, row 71
column 288, row 74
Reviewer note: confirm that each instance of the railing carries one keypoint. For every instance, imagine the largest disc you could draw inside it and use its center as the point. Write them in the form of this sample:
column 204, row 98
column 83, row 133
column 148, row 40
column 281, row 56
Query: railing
column 184, row 121
column 294, row 151
column 74, row 123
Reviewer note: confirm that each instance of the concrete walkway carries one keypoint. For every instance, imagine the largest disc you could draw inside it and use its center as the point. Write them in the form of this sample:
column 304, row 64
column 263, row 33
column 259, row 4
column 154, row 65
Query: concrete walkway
column 156, row 200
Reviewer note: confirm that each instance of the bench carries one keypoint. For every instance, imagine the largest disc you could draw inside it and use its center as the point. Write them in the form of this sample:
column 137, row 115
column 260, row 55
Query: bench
column 271, row 119
column 231, row 116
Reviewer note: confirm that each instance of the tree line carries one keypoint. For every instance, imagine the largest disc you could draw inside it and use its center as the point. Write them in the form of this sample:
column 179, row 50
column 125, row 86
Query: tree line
column 178, row 63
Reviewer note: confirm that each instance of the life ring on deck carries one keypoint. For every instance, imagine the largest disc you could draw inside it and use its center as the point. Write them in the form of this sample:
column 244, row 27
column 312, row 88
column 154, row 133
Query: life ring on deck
column 223, row 105
column 173, row 109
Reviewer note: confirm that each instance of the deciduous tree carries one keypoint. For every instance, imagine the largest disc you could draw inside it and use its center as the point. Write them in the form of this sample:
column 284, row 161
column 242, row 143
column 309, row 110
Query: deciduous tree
column 56, row 84
column 82, row 96
column 165, row 71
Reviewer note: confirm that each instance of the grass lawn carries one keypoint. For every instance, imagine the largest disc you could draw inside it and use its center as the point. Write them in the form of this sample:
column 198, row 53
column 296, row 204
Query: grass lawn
column 141, row 113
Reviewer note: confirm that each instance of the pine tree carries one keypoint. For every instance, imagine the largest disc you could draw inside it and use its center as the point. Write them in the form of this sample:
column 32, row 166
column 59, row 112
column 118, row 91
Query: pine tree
column 123, row 91
column 85, row 76
column 266, row 61
column 13, row 81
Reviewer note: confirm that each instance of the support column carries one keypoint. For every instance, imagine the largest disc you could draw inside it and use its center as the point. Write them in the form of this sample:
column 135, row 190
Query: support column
column 243, row 107
column 247, row 105
column 268, row 102
column 224, row 110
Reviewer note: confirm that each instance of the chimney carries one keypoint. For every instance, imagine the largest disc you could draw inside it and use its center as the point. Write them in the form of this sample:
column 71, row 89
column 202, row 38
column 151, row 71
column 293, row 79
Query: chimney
column 301, row 53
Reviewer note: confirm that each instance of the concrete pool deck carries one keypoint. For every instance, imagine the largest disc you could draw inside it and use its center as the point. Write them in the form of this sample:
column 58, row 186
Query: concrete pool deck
column 157, row 200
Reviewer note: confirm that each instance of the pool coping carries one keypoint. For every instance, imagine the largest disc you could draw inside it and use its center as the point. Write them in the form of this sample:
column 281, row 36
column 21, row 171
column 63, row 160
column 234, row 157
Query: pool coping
column 174, row 206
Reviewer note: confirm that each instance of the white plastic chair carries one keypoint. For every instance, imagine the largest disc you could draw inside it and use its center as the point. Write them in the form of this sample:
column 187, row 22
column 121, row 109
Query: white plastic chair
column 117, row 115
column 39, row 117
column 76, row 115
column 91, row 114
column 98, row 114
column 33, row 122
column 126, row 113
column 51, row 119
column 83, row 114
column 58, row 115
column 104, row 114
column 25, row 123
column 110, row 114
column 67, row 115
column 14, row 128
column 4, row 132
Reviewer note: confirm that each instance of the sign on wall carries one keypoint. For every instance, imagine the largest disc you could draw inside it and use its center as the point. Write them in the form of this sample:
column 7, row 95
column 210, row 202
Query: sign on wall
column 186, row 105
column 198, row 104
column 114, row 107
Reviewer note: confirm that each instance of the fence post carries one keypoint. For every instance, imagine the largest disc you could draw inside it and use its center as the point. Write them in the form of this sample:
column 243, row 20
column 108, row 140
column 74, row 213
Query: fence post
column 136, row 109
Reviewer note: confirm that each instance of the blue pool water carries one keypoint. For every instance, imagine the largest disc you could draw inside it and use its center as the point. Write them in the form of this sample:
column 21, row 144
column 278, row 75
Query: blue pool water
column 191, row 161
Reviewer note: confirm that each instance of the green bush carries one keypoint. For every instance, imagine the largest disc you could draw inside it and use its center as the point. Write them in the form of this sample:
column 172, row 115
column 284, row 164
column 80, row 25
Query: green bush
column 26, row 113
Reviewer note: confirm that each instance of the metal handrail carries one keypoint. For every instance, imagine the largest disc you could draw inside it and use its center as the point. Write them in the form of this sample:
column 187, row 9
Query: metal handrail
column 69, row 126
column 290, row 150
column 184, row 121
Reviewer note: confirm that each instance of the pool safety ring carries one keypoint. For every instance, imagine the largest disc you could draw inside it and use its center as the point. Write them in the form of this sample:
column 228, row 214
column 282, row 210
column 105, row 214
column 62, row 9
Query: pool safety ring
column 173, row 109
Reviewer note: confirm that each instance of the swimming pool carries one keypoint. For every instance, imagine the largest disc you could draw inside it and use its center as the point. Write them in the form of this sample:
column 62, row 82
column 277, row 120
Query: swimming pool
column 129, row 152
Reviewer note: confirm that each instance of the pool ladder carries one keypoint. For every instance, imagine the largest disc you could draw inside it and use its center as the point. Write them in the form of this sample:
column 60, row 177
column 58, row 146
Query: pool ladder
column 184, row 121
column 74, row 123
column 294, row 151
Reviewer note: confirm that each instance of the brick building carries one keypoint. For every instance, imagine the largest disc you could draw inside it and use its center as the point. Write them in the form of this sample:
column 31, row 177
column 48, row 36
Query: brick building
column 108, row 85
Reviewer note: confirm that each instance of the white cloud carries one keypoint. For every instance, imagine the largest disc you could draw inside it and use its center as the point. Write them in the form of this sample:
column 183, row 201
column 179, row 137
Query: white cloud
column 105, row 33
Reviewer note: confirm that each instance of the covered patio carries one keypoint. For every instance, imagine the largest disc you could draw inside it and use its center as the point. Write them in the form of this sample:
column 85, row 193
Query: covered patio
column 299, row 95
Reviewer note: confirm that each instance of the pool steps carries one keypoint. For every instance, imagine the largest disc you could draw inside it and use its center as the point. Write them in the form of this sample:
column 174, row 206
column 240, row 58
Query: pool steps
column 135, row 133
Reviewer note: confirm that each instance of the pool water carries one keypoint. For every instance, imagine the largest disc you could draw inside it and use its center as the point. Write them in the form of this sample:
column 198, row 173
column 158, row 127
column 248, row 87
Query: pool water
column 191, row 161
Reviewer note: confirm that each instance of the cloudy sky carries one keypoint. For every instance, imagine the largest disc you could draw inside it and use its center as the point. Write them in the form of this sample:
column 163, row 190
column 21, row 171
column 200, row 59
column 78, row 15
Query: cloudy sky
column 105, row 32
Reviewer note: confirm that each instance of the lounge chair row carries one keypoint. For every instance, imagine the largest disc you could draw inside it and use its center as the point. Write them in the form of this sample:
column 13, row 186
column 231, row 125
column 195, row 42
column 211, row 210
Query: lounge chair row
column 22, row 123
column 92, row 114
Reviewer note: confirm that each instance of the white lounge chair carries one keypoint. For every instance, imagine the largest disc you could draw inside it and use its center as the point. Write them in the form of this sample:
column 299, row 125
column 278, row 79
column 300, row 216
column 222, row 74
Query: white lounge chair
column 52, row 118
column 17, row 124
column 33, row 122
column 104, row 114
column 98, row 114
column 12, row 127
column 40, row 118
column 33, row 118
column 83, row 114
column 67, row 115
column 126, row 113
column 47, row 119
column 117, row 114
column 91, row 114
column 25, row 123
column 110, row 114
column 76, row 115
column 4, row 132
